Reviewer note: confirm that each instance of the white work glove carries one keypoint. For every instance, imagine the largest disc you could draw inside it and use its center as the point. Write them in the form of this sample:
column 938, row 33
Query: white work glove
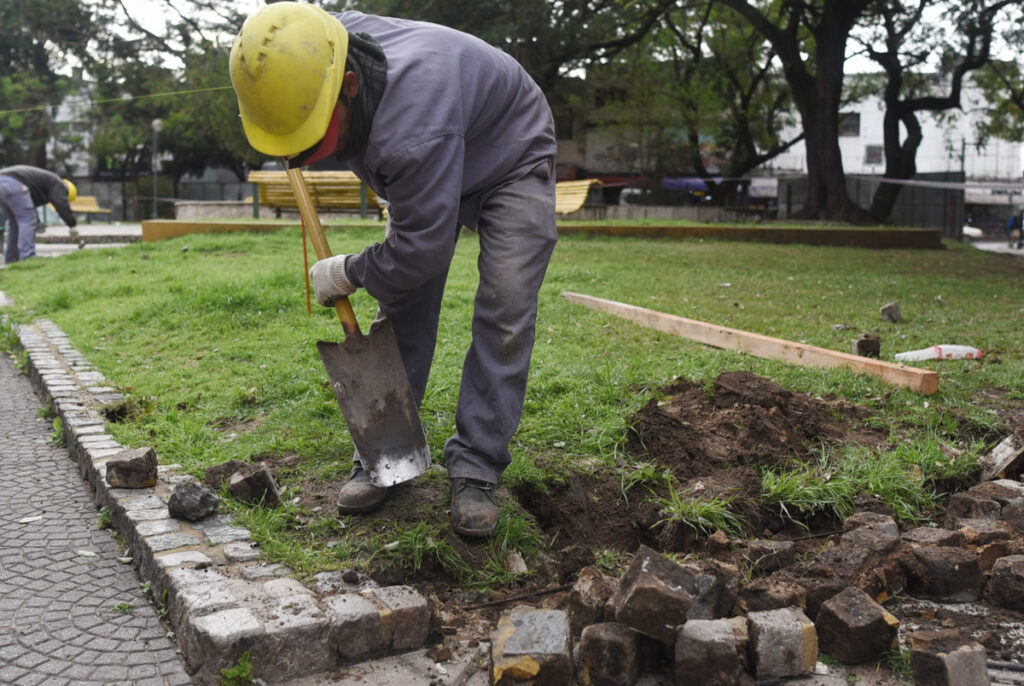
column 329, row 280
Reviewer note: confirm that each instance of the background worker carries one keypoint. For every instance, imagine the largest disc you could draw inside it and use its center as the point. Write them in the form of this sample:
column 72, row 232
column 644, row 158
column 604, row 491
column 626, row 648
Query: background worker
column 22, row 190
column 451, row 132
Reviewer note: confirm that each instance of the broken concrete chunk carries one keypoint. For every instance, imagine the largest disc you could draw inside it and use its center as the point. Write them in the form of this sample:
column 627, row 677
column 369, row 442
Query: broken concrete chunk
column 132, row 468
column 1006, row 587
column 990, row 553
column 608, row 655
column 653, row 596
column 714, row 588
column 192, row 501
column 936, row 573
column 588, row 599
column 711, row 652
column 1004, row 460
column 866, row 345
column 854, row 629
column 932, row 535
column 767, row 556
column 891, row 312
column 944, row 658
column 1003, row 491
column 255, row 484
column 531, row 645
column 783, row 643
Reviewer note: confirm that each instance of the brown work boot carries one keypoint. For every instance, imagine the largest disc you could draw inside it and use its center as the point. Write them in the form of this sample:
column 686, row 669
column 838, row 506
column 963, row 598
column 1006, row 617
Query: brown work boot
column 474, row 513
column 359, row 495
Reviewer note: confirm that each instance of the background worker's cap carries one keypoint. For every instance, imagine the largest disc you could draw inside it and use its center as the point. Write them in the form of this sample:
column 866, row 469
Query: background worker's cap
column 72, row 190
column 286, row 66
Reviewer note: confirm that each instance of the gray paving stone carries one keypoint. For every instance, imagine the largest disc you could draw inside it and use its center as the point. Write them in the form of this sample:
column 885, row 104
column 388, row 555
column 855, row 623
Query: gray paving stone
column 42, row 575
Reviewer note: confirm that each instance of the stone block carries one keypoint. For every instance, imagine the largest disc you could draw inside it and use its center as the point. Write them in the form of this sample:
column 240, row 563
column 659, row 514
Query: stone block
column 192, row 593
column 219, row 474
column 782, row 643
column 1006, row 587
column 133, row 468
column 932, row 535
column 714, row 589
column 608, row 655
column 890, row 312
column 590, row 594
column 967, row 505
column 405, row 616
column 531, row 646
column 942, row 573
column 944, row 658
column 866, row 345
column 192, row 501
column 355, row 630
column 854, row 629
column 216, row 641
column 871, row 531
column 1003, row 491
column 711, row 652
column 294, row 641
column 255, row 484
column 768, row 556
column 988, row 554
column 652, row 596
column 770, row 593
column 977, row 532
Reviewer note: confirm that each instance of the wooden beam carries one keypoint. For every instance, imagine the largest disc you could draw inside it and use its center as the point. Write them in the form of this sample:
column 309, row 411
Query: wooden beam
column 920, row 380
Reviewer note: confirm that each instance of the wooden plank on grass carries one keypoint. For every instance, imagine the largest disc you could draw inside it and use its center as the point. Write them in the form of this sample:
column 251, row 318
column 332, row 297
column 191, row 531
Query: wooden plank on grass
column 920, row 380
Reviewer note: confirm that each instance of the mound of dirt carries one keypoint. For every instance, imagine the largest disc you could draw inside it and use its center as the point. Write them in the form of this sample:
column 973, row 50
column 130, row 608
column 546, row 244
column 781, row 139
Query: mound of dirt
column 712, row 440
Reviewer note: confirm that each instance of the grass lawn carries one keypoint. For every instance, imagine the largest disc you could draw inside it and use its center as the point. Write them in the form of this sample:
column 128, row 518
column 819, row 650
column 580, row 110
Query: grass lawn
column 209, row 337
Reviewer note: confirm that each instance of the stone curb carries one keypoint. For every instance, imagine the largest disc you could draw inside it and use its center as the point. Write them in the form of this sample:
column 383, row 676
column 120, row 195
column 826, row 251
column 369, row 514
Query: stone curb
column 205, row 577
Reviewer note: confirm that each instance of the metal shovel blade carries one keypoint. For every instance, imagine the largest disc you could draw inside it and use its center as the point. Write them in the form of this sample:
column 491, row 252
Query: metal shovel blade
column 373, row 393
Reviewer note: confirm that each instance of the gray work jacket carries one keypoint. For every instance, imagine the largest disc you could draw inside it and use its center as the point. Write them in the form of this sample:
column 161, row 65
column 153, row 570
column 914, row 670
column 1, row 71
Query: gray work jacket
column 44, row 187
column 457, row 119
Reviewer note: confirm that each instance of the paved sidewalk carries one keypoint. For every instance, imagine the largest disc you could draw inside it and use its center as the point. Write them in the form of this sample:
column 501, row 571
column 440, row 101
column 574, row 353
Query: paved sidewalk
column 60, row 581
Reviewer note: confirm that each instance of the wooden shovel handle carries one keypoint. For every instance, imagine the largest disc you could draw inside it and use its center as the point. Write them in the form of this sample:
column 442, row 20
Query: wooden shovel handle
column 323, row 251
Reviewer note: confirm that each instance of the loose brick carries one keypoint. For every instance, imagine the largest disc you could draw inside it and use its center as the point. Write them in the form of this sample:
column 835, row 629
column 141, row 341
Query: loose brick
column 943, row 658
column 977, row 532
column 855, row 629
column 967, row 505
column 531, row 645
column 608, row 655
column 783, row 643
column 932, row 535
column 938, row 573
column 770, row 593
column 652, row 596
column 133, row 468
column 406, row 616
column 1006, row 587
column 711, row 652
column 871, row 531
column 767, row 556
column 355, row 628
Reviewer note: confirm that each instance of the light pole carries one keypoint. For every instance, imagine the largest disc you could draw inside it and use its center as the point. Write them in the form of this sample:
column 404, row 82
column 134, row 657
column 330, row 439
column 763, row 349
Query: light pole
column 158, row 124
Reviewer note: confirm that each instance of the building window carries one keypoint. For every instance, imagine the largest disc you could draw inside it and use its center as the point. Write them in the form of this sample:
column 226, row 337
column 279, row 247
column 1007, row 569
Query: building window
column 873, row 154
column 849, row 124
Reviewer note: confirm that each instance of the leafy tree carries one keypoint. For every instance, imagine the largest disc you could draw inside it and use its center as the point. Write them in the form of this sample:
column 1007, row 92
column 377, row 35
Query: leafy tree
column 909, row 49
column 1002, row 82
column 37, row 38
column 810, row 39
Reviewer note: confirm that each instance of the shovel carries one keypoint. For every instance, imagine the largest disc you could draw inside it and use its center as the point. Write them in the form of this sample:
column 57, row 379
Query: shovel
column 369, row 381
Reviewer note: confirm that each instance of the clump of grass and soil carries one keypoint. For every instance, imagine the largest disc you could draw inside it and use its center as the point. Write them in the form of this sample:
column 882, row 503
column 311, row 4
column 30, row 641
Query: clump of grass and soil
column 628, row 436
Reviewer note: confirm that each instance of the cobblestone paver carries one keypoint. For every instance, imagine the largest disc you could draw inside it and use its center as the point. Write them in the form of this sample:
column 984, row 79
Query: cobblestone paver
column 69, row 612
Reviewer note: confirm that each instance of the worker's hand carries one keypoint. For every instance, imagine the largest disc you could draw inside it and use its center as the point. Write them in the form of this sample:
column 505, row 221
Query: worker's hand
column 329, row 280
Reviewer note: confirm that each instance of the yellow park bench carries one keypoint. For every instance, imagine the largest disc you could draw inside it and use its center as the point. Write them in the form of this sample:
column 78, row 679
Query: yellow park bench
column 570, row 196
column 329, row 190
column 87, row 205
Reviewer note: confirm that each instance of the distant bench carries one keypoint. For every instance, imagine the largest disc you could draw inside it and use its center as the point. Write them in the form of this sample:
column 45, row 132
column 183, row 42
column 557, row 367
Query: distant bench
column 570, row 196
column 329, row 190
column 87, row 205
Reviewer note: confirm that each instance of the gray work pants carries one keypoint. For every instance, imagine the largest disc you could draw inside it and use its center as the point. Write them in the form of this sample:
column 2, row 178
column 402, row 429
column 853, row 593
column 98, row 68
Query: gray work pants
column 517, row 236
column 16, row 203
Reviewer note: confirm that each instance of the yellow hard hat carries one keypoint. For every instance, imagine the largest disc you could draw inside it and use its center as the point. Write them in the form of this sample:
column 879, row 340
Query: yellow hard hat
column 286, row 66
column 72, row 191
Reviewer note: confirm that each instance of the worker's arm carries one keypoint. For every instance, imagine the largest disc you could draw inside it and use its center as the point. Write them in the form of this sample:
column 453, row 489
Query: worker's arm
column 423, row 186
column 59, row 200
